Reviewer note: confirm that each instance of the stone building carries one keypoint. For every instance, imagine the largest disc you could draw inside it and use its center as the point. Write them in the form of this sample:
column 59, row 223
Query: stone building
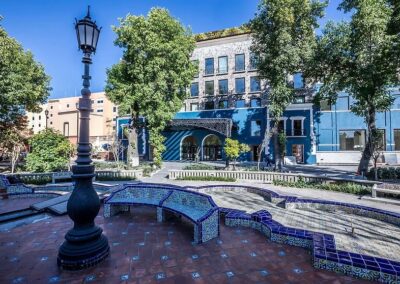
column 64, row 117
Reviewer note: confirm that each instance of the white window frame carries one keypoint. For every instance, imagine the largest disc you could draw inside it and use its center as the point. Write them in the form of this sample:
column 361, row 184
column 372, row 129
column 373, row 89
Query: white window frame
column 293, row 118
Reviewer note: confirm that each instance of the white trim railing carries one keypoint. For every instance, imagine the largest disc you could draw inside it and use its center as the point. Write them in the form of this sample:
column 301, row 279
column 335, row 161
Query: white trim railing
column 264, row 177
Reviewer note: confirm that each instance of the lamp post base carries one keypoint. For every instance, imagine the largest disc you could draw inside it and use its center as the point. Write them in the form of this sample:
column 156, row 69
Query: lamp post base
column 83, row 248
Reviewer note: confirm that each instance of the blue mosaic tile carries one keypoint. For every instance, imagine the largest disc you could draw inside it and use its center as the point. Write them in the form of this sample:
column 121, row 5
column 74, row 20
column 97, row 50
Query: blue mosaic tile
column 195, row 275
column 160, row 275
column 297, row 270
column 264, row 272
column 18, row 280
column 124, row 277
column 195, row 256
column 164, row 257
column 230, row 274
column 54, row 279
column 90, row 278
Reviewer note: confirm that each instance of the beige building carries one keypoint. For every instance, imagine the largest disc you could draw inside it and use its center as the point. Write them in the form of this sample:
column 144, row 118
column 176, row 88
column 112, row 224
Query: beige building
column 64, row 117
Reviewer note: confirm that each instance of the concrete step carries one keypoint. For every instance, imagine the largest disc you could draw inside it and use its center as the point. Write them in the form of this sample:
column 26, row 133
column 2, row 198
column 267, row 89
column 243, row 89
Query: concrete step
column 60, row 208
column 13, row 215
column 44, row 204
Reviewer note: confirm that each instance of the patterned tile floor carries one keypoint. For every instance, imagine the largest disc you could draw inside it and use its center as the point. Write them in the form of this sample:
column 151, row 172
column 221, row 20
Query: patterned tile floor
column 144, row 251
column 372, row 237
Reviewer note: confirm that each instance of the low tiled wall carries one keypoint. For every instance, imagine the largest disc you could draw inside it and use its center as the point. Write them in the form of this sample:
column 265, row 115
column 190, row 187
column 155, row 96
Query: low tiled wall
column 322, row 246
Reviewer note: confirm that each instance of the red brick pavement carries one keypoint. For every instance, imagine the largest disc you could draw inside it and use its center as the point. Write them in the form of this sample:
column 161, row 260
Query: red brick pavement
column 143, row 251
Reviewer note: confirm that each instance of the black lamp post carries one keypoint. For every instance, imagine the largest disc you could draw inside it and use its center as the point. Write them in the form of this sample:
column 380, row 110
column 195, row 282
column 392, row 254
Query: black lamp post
column 46, row 113
column 84, row 245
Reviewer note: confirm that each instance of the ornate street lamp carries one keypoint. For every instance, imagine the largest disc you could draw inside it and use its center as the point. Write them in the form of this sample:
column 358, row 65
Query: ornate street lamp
column 84, row 244
column 46, row 113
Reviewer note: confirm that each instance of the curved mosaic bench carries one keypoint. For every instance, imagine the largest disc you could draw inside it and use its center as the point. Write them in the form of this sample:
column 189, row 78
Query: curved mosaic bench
column 199, row 208
column 21, row 190
column 322, row 246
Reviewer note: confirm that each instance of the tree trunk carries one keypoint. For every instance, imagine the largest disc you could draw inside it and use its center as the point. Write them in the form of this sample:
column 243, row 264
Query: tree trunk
column 277, row 152
column 133, row 153
column 264, row 143
column 370, row 146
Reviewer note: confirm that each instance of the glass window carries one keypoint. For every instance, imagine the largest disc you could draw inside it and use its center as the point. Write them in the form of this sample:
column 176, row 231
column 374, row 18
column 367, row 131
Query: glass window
column 223, row 104
column 240, row 86
column 33, row 118
column 396, row 139
column 194, row 107
column 325, row 105
column 66, row 129
column 114, row 109
column 209, row 68
column 255, row 84
column 196, row 64
column 239, row 62
column 67, row 105
column 299, row 100
column 223, row 64
column 352, row 140
column 223, row 87
column 281, row 126
column 194, row 89
column 99, row 110
column 51, row 107
column 297, row 127
column 99, row 101
column 382, row 140
column 255, row 127
column 256, row 102
column 209, row 88
column 342, row 103
column 40, row 117
column 298, row 81
column 209, row 105
column 240, row 103
column 253, row 61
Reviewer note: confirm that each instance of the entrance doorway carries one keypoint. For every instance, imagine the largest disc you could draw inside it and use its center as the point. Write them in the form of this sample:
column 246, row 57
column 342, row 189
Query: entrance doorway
column 254, row 152
column 212, row 148
column 298, row 152
column 189, row 148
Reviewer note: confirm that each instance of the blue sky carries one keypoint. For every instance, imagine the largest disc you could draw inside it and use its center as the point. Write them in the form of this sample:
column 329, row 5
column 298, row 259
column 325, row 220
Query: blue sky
column 46, row 28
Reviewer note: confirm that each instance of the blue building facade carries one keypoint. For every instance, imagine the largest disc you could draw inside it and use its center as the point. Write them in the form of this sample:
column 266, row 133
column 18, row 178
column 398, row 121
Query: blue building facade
column 227, row 99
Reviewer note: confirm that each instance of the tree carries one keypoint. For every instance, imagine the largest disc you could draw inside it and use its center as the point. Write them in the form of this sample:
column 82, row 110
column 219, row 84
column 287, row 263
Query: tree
column 151, row 79
column 360, row 58
column 23, row 83
column 117, row 148
column 284, row 40
column 378, row 148
column 233, row 149
column 49, row 151
column 13, row 140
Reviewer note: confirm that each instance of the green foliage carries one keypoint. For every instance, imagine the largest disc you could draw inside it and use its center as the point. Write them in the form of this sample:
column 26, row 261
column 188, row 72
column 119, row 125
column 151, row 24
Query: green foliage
column 284, row 40
column 155, row 70
column 109, row 165
column 113, row 178
column 362, row 58
column 199, row 167
column 233, row 148
column 282, row 144
column 346, row 187
column 208, row 178
column 50, row 151
column 223, row 33
column 387, row 173
column 23, row 82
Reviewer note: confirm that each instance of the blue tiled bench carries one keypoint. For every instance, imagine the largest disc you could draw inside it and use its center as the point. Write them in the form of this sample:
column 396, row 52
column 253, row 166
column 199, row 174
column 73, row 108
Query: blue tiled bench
column 199, row 208
column 13, row 189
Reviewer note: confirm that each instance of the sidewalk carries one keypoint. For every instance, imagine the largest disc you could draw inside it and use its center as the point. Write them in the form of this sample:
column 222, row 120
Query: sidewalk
column 162, row 177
